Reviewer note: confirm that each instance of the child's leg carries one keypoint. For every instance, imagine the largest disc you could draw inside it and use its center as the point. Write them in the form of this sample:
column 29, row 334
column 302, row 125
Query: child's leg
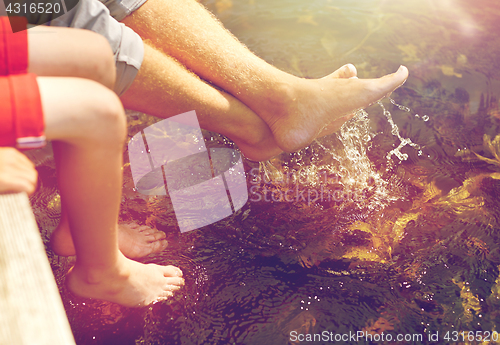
column 135, row 241
column 65, row 52
column 81, row 53
column 88, row 123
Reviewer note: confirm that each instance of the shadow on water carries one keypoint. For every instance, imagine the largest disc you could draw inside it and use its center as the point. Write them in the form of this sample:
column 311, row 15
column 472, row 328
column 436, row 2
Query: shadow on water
column 340, row 236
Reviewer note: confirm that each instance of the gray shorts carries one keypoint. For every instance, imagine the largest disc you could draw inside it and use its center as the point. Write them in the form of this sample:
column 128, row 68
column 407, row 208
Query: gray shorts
column 119, row 9
column 102, row 17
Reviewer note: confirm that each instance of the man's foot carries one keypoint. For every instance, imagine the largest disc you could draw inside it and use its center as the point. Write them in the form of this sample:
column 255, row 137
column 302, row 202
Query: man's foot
column 300, row 109
column 135, row 241
column 129, row 283
column 252, row 135
column 345, row 72
column 258, row 143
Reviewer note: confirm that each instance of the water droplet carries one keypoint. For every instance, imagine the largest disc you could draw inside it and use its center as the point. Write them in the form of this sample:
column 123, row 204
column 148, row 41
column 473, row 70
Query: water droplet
column 401, row 107
column 395, row 131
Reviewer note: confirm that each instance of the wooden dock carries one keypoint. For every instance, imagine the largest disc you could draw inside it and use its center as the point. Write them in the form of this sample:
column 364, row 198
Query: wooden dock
column 31, row 309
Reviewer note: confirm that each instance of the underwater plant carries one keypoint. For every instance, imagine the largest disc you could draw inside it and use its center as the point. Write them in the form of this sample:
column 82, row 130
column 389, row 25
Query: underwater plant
column 493, row 147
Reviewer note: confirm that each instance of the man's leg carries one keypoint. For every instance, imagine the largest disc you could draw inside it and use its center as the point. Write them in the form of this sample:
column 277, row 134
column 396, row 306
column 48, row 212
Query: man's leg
column 164, row 88
column 295, row 109
column 65, row 52
column 87, row 122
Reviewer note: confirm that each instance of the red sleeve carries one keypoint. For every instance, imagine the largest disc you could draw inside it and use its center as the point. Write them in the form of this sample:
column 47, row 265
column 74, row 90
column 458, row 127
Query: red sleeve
column 13, row 46
column 7, row 130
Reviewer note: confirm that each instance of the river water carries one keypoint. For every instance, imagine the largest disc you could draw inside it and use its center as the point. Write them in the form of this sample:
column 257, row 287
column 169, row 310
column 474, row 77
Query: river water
column 406, row 241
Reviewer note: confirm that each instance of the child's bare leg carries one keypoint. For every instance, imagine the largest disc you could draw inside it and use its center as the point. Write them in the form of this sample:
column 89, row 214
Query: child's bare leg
column 65, row 52
column 295, row 109
column 135, row 241
column 86, row 121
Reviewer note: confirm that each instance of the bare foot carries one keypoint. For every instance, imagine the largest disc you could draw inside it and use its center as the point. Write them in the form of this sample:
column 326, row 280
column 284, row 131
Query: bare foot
column 135, row 241
column 252, row 135
column 259, row 143
column 298, row 111
column 345, row 72
column 129, row 283
column 335, row 125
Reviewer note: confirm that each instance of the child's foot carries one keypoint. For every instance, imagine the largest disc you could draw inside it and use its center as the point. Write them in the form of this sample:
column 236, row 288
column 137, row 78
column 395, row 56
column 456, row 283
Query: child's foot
column 129, row 283
column 135, row 241
column 298, row 111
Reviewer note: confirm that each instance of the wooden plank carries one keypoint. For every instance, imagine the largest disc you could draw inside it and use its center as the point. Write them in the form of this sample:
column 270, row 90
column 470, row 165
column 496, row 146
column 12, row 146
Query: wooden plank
column 31, row 309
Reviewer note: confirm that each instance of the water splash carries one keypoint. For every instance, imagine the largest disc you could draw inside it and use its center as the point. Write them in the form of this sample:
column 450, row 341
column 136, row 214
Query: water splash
column 395, row 131
column 337, row 163
column 343, row 159
column 425, row 118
